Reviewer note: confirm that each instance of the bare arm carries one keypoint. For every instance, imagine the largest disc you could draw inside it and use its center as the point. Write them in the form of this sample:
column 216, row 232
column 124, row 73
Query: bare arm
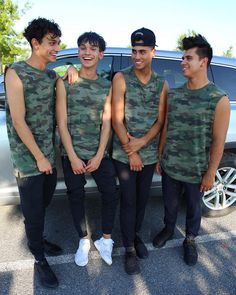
column 135, row 144
column 94, row 163
column 220, row 127
column 78, row 166
column 16, row 102
column 118, row 107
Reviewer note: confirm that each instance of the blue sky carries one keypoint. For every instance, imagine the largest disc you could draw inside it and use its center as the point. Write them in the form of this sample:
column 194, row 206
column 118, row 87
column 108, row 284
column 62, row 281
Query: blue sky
column 115, row 20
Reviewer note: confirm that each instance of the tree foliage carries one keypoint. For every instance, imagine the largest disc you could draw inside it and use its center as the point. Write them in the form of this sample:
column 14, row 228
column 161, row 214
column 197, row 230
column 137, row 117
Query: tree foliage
column 182, row 36
column 228, row 52
column 11, row 42
column 63, row 45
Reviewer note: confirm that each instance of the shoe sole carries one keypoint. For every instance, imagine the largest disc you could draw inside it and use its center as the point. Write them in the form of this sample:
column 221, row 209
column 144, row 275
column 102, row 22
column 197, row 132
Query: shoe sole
column 49, row 253
column 49, row 286
column 81, row 264
column 163, row 244
column 191, row 263
column 133, row 273
column 44, row 284
column 98, row 248
column 142, row 257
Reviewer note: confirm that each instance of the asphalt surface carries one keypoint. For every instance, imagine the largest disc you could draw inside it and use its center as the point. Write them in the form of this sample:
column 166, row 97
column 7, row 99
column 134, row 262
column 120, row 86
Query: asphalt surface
column 163, row 272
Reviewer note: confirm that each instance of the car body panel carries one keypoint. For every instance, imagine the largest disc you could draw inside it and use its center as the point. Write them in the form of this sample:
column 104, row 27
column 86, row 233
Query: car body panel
column 166, row 63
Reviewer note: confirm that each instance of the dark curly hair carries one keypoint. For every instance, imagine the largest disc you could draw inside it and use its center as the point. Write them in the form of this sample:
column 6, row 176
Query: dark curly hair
column 93, row 39
column 40, row 27
column 204, row 49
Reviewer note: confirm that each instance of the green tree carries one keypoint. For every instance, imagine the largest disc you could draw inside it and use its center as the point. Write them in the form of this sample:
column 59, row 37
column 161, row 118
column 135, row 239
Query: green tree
column 11, row 42
column 228, row 52
column 63, row 45
column 182, row 36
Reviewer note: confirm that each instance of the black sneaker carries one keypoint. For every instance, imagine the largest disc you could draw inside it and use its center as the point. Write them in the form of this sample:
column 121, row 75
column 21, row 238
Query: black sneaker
column 161, row 238
column 51, row 249
column 141, row 249
column 131, row 263
column 190, row 251
column 45, row 273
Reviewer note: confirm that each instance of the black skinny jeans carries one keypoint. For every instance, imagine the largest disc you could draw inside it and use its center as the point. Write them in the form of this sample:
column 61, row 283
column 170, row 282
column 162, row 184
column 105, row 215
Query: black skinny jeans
column 172, row 191
column 135, row 188
column 36, row 193
column 104, row 177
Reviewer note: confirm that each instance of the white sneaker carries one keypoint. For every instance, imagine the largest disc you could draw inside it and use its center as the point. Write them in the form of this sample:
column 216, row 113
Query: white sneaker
column 81, row 255
column 104, row 247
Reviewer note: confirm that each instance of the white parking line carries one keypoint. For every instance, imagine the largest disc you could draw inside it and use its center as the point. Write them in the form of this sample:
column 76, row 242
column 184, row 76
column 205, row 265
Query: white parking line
column 69, row 258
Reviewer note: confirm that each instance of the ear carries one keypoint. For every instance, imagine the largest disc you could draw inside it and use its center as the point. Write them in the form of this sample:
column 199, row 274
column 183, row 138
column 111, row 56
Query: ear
column 100, row 55
column 153, row 52
column 204, row 61
column 35, row 44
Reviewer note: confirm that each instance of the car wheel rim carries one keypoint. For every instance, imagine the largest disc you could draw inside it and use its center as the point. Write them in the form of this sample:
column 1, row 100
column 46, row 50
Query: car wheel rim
column 223, row 193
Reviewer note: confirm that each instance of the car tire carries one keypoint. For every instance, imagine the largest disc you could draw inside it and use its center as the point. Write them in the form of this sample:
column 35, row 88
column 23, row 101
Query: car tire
column 221, row 199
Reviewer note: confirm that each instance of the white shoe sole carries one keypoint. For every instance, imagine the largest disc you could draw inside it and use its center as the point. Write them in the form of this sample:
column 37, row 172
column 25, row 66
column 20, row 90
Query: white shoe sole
column 109, row 262
column 83, row 263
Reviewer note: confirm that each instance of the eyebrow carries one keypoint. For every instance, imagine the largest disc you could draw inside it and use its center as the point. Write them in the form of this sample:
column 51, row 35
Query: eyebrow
column 138, row 50
column 51, row 39
column 186, row 56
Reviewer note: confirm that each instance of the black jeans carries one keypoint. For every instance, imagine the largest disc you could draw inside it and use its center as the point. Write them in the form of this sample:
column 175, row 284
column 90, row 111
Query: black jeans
column 135, row 188
column 36, row 193
column 104, row 177
column 172, row 191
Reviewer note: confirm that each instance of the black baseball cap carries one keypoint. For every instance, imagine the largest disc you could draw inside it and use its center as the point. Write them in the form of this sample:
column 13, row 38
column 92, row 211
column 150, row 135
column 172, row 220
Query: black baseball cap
column 145, row 35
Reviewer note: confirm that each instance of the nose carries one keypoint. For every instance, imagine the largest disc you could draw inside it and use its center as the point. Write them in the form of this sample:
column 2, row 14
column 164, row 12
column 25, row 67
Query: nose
column 87, row 50
column 137, row 55
column 182, row 62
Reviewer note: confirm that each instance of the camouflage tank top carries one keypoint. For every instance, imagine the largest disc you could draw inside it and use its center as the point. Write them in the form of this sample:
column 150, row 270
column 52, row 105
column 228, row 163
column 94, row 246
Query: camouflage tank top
column 39, row 98
column 189, row 133
column 85, row 104
column 141, row 111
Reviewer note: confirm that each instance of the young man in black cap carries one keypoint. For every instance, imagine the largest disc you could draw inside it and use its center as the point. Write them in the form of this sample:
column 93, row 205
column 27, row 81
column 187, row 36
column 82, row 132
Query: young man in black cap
column 138, row 112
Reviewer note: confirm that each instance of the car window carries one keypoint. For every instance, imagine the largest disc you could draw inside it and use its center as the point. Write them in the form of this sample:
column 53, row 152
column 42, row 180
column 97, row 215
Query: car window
column 225, row 78
column 126, row 62
column 170, row 70
column 61, row 65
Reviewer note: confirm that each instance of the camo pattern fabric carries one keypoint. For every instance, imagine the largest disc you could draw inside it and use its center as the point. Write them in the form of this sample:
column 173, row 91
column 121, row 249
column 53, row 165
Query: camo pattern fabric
column 141, row 112
column 85, row 104
column 39, row 97
column 189, row 133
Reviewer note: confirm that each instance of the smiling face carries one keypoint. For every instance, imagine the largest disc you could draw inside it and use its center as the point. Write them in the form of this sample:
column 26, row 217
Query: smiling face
column 192, row 64
column 142, row 56
column 48, row 48
column 89, row 55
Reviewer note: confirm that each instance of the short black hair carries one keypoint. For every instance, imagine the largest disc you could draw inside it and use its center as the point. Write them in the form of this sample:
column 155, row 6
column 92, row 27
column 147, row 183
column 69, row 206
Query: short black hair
column 204, row 49
column 40, row 27
column 93, row 39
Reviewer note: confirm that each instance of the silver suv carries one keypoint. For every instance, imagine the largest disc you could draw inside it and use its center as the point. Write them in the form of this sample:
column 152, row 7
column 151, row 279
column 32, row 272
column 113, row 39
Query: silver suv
column 218, row 201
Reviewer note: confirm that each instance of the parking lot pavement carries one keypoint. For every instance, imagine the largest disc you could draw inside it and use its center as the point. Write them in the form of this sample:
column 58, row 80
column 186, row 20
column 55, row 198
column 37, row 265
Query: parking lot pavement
column 164, row 272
